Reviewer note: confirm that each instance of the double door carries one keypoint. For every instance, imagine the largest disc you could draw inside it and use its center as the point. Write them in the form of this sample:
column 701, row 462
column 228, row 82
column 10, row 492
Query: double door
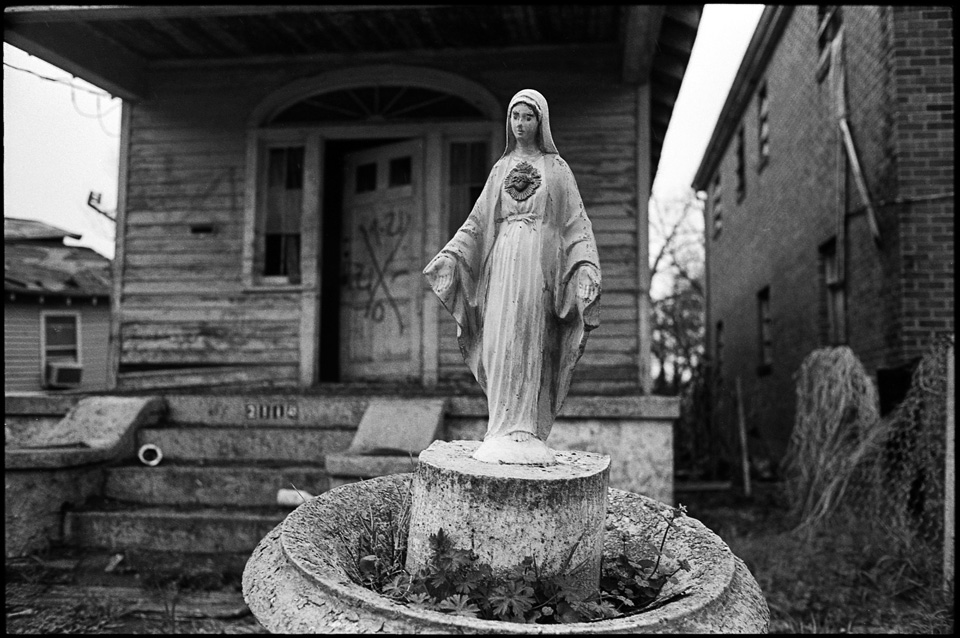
column 380, row 314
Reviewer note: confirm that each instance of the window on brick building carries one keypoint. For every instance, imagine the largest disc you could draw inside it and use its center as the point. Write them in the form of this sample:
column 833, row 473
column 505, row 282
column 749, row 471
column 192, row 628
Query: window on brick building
column 716, row 206
column 829, row 21
column 763, row 127
column 765, row 325
column 832, row 296
column 741, row 165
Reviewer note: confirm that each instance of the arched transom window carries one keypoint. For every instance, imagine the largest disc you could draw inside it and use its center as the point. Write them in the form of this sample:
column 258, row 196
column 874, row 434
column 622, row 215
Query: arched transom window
column 377, row 104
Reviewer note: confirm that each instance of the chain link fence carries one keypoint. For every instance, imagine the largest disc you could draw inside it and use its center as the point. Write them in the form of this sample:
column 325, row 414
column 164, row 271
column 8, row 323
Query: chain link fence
column 880, row 479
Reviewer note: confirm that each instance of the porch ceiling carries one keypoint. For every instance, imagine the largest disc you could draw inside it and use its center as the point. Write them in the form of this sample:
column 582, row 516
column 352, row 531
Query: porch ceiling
column 114, row 47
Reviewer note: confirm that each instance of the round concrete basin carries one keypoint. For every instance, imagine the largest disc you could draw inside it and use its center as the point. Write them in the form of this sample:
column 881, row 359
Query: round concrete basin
column 295, row 581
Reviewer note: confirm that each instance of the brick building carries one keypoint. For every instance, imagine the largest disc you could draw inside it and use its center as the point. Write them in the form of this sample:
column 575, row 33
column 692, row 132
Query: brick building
column 829, row 219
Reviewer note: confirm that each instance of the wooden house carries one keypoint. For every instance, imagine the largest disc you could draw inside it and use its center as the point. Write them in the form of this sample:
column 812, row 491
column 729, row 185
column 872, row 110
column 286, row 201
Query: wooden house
column 287, row 171
column 56, row 311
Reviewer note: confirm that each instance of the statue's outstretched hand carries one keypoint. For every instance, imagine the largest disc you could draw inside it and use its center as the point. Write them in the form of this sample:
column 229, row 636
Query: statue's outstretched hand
column 442, row 268
column 588, row 285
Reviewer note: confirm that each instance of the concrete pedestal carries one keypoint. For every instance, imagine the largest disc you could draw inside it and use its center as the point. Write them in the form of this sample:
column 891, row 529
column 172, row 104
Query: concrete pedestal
column 505, row 513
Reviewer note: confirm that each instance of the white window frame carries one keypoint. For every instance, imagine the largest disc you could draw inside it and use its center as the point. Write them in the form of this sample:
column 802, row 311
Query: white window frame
column 716, row 205
column 44, row 315
column 259, row 143
column 765, row 331
column 763, row 126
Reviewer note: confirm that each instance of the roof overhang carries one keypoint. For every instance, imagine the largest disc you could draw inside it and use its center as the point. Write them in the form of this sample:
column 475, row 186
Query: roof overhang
column 115, row 47
column 772, row 22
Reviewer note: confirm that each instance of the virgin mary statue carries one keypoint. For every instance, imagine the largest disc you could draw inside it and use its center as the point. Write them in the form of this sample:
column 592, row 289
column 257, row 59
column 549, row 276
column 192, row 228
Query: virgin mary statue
column 522, row 279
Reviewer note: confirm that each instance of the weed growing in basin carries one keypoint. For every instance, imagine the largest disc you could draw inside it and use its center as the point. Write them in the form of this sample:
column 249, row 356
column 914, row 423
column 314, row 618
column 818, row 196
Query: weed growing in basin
column 455, row 582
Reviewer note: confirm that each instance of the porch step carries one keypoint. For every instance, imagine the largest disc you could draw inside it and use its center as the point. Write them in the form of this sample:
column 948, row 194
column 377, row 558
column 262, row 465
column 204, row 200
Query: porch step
column 292, row 445
column 240, row 486
column 207, row 530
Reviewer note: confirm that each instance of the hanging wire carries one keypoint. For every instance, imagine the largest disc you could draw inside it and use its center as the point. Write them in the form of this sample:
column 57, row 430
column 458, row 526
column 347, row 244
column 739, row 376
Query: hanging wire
column 58, row 80
column 99, row 115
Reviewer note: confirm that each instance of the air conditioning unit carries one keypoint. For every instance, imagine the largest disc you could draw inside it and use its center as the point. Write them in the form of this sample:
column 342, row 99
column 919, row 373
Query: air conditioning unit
column 64, row 374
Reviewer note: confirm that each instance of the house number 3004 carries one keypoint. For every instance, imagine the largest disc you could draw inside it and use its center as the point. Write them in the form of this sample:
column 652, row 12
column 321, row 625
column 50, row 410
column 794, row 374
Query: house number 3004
column 271, row 411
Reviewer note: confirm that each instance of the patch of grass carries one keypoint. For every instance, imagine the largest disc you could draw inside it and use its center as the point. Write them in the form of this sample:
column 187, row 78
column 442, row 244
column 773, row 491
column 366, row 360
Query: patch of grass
column 455, row 582
column 847, row 578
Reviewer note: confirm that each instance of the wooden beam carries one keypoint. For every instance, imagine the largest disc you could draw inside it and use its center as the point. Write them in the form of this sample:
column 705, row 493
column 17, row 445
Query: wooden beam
column 433, row 241
column 311, row 230
column 640, row 41
column 859, row 179
column 67, row 13
column 644, row 180
column 113, row 69
column 119, row 256
column 424, row 57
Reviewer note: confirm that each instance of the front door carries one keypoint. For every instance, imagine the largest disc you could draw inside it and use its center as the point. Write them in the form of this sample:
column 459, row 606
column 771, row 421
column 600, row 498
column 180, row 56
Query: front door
column 382, row 221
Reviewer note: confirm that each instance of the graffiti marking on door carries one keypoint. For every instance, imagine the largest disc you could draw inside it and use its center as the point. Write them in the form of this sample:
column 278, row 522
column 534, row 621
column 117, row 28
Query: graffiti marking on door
column 377, row 234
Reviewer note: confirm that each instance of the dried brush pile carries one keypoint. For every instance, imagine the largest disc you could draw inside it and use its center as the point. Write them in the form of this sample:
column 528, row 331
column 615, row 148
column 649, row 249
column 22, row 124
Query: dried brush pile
column 836, row 427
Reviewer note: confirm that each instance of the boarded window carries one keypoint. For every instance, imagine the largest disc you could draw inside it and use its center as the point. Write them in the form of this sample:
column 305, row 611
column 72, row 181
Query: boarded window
column 832, row 296
column 469, row 166
column 829, row 19
column 61, row 338
column 717, row 206
column 765, row 324
column 829, row 22
column 283, row 207
column 763, row 127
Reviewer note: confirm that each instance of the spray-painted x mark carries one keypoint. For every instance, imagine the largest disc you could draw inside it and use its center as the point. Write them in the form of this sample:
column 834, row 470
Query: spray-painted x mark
column 381, row 277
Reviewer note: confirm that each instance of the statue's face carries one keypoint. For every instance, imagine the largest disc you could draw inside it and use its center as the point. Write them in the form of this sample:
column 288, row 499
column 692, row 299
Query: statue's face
column 523, row 121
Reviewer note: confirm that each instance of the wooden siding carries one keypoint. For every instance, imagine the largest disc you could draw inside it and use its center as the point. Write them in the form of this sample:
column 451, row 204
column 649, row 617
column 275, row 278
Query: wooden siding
column 183, row 301
column 94, row 340
column 21, row 344
column 21, row 347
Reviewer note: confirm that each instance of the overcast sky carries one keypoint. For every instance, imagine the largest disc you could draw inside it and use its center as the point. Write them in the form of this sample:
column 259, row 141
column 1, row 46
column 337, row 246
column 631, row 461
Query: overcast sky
column 61, row 142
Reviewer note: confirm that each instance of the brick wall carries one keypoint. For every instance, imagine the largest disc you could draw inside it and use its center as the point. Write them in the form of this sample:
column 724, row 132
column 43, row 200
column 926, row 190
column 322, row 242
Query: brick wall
column 897, row 293
column 921, row 60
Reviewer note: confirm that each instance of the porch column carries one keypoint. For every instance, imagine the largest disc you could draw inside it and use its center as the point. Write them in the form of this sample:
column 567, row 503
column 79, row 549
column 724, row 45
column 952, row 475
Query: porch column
column 432, row 242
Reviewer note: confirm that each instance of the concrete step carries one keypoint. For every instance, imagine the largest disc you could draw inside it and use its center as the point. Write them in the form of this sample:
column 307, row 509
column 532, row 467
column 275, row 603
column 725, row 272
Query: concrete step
column 241, row 486
column 267, row 409
column 272, row 444
column 207, row 530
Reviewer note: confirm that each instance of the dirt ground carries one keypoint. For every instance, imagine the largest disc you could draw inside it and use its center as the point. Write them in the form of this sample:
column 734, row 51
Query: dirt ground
column 833, row 583
column 65, row 591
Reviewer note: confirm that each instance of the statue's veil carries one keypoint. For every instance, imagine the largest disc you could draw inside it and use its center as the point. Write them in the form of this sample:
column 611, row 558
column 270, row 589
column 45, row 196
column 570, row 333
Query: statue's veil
column 539, row 104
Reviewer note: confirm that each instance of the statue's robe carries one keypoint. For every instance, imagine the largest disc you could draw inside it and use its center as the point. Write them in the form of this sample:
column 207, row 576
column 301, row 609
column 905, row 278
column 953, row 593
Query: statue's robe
column 566, row 244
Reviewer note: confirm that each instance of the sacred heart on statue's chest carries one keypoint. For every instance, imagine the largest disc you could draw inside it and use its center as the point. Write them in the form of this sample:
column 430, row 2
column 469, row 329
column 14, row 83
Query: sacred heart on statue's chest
column 522, row 181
